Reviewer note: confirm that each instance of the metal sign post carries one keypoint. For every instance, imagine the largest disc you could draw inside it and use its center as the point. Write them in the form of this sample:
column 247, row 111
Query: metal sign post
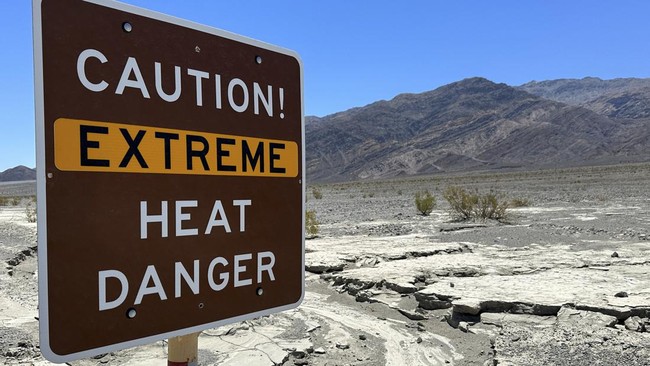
column 170, row 162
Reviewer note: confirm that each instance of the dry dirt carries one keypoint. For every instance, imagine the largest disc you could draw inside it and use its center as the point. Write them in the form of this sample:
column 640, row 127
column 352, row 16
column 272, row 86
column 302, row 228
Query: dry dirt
column 563, row 282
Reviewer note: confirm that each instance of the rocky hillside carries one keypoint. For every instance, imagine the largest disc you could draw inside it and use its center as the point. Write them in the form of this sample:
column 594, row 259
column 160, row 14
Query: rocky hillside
column 18, row 173
column 470, row 124
column 617, row 98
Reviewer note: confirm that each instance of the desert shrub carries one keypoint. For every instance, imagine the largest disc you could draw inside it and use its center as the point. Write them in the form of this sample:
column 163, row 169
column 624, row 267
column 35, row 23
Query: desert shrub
column 316, row 192
column 30, row 212
column 466, row 205
column 491, row 206
column 425, row 202
column 461, row 202
column 601, row 198
column 311, row 224
column 10, row 201
column 520, row 202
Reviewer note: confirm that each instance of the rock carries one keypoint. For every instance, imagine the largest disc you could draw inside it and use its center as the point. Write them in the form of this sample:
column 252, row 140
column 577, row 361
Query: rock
column 421, row 327
column 599, row 268
column 615, row 255
column 362, row 337
column 635, row 323
column 299, row 354
column 11, row 353
column 312, row 326
column 412, row 315
column 454, row 319
column 583, row 317
column 319, row 268
column 621, row 294
column 620, row 312
column 418, row 340
column 342, row 345
column 301, row 362
column 401, row 288
column 370, row 261
column 466, row 306
column 430, row 301
column 319, row 351
column 500, row 319
column 463, row 326
column 363, row 296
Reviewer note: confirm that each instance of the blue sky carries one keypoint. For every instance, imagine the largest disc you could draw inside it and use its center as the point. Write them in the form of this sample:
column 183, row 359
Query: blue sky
column 357, row 52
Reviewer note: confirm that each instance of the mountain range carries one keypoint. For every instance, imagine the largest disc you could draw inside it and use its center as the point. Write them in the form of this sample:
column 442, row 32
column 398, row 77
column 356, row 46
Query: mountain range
column 476, row 124
column 18, row 173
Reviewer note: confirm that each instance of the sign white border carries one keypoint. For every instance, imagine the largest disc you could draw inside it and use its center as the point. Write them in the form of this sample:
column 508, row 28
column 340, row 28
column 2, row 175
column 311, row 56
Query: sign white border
column 41, row 178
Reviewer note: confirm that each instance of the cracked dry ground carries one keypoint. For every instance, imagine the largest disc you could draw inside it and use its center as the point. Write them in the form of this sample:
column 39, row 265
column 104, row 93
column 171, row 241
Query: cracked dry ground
column 565, row 282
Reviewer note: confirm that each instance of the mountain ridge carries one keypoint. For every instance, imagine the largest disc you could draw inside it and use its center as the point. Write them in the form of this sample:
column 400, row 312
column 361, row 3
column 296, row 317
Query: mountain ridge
column 18, row 173
column 470, row 124
column 476, row 124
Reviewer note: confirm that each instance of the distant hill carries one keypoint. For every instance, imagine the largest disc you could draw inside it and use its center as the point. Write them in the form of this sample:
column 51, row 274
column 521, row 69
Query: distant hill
column 471, row 124
column 18, row 173
column 618, row 98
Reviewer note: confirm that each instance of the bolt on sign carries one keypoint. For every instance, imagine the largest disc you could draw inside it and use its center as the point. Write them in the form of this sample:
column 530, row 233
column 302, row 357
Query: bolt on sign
column 170, row 177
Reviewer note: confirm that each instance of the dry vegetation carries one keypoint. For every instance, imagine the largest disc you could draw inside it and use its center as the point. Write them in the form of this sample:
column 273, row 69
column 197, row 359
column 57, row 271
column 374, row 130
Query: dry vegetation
column 425, row 202
column 467, row 205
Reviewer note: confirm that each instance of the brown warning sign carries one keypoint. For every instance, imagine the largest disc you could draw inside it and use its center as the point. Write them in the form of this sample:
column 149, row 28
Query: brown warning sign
column 170, row 177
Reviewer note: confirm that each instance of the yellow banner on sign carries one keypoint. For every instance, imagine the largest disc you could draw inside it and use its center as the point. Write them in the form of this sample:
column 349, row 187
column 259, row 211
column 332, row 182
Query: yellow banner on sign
column 120, row 148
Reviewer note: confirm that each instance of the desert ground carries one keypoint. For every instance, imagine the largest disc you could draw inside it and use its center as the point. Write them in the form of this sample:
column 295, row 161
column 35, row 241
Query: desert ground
column 565, row 280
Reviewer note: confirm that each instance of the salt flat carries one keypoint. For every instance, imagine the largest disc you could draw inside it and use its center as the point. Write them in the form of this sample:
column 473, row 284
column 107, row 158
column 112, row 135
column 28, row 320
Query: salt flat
column 564, row 281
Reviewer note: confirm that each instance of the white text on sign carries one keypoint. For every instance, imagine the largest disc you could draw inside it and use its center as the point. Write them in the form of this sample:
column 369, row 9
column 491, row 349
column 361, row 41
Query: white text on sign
column 238, row 93
column 218, row 271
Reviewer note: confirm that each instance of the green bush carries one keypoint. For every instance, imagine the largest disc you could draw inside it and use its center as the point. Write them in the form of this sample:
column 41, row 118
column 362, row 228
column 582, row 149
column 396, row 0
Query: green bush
column 425, row 202
column 311, row 224
column 465, row 205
